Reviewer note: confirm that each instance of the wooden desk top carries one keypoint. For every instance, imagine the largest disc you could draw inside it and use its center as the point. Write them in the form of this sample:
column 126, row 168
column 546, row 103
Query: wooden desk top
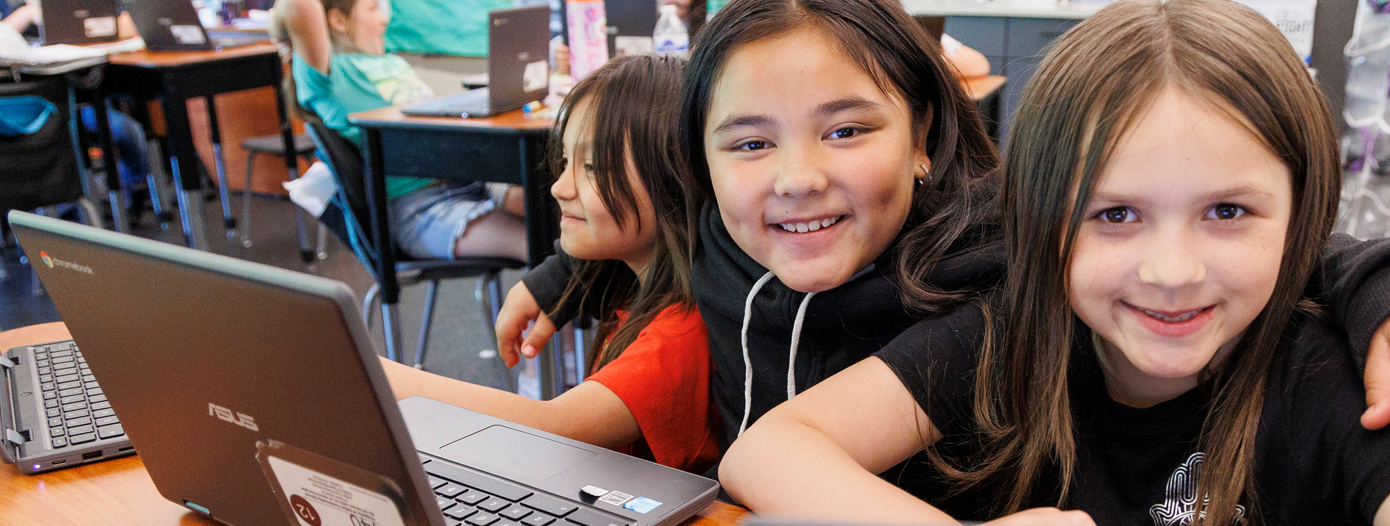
column 119, row 492
column 168, row 59
column 981, row 87
column 391, row 117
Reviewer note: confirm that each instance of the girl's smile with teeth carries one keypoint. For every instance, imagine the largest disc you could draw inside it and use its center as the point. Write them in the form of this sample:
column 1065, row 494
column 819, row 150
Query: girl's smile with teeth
column 810, row 226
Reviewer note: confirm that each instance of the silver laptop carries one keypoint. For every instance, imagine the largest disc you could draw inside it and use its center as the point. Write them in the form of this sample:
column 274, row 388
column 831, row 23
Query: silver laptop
column 77, row 21
column 518, row 68
column 253, row 396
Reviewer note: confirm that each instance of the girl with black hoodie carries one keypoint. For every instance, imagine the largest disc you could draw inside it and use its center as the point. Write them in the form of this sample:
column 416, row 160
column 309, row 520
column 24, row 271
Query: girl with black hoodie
column 848, row 192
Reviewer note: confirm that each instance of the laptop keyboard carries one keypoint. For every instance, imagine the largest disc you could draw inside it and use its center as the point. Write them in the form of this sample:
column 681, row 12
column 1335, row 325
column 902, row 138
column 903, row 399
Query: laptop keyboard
column 74, row 404
column 469, row 498
column 468, row 102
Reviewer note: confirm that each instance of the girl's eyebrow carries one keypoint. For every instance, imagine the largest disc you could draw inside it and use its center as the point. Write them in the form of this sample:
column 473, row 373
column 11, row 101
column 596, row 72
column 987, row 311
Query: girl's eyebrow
column 846, row 104
column 741, row 121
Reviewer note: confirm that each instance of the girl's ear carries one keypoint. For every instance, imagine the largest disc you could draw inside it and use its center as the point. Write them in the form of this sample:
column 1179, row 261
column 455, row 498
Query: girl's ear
column 337, row 21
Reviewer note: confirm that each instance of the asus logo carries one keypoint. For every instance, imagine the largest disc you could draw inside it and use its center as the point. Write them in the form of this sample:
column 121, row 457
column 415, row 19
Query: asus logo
column 241, row 419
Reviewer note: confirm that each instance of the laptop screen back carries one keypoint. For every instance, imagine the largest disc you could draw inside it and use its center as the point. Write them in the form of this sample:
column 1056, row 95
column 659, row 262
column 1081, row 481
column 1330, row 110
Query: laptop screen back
column 78, row 21
column 215, row 364
column 518, row 56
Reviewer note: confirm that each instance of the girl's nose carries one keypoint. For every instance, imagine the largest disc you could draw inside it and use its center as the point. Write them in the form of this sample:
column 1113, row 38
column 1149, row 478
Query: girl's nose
column 1172, row 259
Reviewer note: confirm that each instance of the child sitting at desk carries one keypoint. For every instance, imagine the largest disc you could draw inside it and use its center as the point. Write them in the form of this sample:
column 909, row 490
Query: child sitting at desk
column 340, row 66
column 623, row 195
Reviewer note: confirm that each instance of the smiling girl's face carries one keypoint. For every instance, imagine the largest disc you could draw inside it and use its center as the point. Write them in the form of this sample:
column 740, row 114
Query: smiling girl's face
column 813, row 165
column 1180, row 248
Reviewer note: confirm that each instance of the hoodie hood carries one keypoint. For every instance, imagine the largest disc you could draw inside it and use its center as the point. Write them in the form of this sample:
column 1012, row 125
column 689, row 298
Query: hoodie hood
column 768, row 342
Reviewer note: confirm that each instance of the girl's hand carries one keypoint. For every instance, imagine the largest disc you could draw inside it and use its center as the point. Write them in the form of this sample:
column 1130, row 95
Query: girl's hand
column 519, row 310
column 1377, row 413
column 1045, row 517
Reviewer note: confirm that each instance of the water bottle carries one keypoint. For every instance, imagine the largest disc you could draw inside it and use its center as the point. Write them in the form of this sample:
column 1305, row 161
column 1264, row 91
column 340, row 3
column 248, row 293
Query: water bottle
column 670, row 37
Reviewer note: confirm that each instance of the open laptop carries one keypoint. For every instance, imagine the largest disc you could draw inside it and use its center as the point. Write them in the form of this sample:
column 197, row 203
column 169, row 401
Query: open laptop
column 253, row 396
column 172, row 25
column 53, row 414
column 518, row 67
column 77, row 21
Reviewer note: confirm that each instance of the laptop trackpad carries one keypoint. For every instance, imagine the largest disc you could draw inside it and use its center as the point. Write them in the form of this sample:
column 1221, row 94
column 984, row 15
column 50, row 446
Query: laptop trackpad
column 510, row 453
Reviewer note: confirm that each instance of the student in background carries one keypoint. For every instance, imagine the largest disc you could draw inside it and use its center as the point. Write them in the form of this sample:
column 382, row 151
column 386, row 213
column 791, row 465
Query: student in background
column 1154, row 356
column 622, row 197
column 340, row 66
column 132, row 157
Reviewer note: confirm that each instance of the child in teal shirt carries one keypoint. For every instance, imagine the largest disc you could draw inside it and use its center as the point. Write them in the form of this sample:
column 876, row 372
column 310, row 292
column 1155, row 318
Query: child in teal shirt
column 340, row 67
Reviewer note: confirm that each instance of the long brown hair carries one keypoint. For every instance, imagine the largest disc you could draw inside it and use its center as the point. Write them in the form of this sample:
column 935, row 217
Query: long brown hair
column 633, row 101
column 956, row 209
column 1092, row 87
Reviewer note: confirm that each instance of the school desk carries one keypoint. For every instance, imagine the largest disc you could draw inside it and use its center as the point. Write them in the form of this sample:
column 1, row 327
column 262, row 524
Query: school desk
column 175, row 77
column 507, row 148
column 119, row 492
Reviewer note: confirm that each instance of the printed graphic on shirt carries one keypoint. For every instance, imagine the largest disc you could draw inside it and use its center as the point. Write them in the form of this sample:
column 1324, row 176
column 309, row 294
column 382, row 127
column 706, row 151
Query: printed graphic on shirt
column 1179, row 507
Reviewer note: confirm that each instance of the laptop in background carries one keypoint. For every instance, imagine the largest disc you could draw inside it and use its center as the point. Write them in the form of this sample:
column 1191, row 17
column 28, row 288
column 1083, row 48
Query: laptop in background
column 630, row 26
column 254, row 396
column 518, row 68
column 172, row 25
column 77, row 21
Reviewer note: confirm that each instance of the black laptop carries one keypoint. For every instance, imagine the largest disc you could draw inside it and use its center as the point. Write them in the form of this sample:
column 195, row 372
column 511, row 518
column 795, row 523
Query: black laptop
column 173, row 25
column 253, row 396
column 77, row 21
column 518, row 68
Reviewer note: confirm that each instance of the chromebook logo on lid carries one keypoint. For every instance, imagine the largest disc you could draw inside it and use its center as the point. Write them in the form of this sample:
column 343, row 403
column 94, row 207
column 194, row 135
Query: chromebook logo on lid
column 55, row 262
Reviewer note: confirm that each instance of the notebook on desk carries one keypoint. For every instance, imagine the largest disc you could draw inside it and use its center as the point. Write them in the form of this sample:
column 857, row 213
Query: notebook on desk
column 518, row 68
column 172, row 25
column 254, row 396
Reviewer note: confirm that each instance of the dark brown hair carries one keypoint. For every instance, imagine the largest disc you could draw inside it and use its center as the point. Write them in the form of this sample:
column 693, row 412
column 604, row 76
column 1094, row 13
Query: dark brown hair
column 632, row 104
column 1094, row 85
column 956, row 209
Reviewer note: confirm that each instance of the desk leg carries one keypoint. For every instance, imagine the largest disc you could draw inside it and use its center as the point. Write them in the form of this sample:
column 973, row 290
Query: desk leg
column 539, row 236
column 375, row 180
column 108, row 162
column 220, row 164
column 183, row 161
column 306, row 252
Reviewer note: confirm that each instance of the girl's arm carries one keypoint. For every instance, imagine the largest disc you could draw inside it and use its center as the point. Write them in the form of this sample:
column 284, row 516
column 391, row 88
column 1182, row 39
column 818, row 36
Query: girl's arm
column 1383, row 514
column 1354, row 284
column 307, row 26
column 816, row 455
column 22, row 17
column 589, row 413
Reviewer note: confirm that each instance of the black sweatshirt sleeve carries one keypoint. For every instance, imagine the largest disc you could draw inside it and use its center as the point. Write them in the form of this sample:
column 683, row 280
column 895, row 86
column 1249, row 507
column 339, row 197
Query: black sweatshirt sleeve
column 1354, row 284
column 547, row 284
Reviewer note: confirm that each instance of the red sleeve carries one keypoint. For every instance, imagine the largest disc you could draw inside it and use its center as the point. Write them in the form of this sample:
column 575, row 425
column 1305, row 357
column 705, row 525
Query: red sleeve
column 663, row 378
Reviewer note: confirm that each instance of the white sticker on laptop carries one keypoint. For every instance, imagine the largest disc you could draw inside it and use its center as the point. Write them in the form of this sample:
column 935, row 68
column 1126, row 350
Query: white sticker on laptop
column 537, row 76
column 99, row 27
column 616, row 498
column 188, row 35
column 319, row 495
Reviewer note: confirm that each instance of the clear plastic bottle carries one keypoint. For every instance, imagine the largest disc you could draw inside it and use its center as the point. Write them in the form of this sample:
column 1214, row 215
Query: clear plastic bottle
column 1368, row 69
column 670, row 37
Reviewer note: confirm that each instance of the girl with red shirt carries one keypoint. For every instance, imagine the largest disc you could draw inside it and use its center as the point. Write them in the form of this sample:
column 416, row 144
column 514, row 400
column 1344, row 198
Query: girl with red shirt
column 622, row 193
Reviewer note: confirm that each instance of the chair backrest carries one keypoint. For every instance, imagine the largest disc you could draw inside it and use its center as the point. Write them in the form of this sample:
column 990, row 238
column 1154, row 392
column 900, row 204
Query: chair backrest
column 40, row 169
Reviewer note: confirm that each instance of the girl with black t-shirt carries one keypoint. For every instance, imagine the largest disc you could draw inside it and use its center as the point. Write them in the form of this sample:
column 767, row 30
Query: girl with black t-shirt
column 1152, row 358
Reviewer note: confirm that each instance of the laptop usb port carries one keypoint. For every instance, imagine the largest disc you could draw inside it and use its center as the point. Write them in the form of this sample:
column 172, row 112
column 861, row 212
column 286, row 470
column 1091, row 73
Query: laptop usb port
column 124, row 449
column 92, row 455
column 59, row 461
